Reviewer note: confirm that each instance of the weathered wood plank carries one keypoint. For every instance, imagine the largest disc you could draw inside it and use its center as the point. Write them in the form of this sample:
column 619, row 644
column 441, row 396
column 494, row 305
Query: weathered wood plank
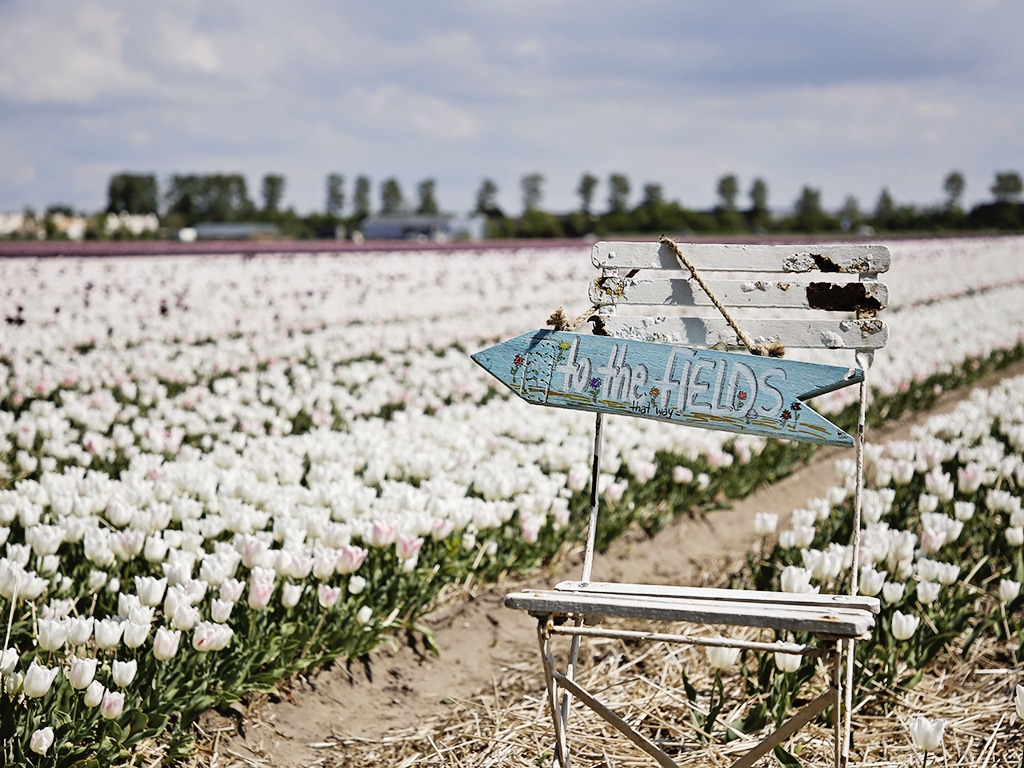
column 714, row 332
column 850, row 258
column 834, row 622
column 697, row 387
column 826, row 296
column 859, row 602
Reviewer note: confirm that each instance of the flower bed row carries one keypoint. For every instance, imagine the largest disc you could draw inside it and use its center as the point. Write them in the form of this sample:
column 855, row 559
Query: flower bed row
column 212, row 504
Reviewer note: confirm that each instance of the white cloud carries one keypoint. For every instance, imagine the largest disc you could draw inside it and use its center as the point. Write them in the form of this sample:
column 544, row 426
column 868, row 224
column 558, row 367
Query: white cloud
column 393, row 108
column 69, row 58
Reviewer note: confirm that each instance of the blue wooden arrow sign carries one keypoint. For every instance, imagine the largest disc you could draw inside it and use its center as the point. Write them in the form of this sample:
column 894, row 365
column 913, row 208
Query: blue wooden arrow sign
column 697, row 387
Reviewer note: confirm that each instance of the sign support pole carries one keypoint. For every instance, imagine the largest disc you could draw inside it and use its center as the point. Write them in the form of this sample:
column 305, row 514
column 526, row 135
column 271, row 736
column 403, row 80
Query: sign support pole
column 588, row 553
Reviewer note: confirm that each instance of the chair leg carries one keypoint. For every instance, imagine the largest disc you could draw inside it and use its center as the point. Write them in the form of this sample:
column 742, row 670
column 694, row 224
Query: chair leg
column 837, row 702
column 548, row 660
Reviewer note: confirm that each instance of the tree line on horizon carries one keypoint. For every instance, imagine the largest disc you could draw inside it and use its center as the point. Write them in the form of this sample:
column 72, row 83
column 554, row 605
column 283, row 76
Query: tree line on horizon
column 191, row 199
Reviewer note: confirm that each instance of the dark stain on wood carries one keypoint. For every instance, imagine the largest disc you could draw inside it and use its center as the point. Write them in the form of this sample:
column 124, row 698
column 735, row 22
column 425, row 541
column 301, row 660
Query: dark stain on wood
column 846, row 297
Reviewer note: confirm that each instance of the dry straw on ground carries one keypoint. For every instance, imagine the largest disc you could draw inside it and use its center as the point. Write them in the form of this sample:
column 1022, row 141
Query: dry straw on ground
column 508, row 724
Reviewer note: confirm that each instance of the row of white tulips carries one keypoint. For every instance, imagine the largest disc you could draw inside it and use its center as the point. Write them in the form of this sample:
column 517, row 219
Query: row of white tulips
column 942, row 543
column 216, row 435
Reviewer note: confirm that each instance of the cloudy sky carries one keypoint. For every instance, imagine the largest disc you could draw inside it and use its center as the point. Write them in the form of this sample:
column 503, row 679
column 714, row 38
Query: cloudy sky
column 846, row 96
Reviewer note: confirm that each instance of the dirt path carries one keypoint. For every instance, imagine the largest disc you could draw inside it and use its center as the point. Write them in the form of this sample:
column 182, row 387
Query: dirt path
column 479, row 638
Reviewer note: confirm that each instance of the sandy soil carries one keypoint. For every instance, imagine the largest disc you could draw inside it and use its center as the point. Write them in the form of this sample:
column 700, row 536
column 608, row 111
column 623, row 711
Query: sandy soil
column 402, row 687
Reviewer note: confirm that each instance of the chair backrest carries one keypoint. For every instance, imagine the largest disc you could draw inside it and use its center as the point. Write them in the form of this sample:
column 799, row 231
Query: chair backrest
column 820, row 296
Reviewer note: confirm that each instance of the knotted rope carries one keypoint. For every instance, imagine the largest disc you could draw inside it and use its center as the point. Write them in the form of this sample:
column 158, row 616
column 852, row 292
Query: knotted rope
column 765, row 349
column 561, row 322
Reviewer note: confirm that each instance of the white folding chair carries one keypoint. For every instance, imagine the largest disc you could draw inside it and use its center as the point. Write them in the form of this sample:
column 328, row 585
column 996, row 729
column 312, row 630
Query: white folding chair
column 765, row 298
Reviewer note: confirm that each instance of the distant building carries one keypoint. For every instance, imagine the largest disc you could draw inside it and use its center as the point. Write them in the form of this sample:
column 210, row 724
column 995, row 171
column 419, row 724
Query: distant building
column 437, row 229
column 229, row 231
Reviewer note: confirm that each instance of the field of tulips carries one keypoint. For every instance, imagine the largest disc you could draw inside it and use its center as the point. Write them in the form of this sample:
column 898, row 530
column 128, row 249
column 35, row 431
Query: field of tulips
column 219, row 471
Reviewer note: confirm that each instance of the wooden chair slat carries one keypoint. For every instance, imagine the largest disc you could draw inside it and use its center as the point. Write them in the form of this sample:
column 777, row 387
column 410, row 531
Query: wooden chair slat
column 792, row 259
column 825, row 296
column 833, row 622
column 715, row 333
column 859, row 602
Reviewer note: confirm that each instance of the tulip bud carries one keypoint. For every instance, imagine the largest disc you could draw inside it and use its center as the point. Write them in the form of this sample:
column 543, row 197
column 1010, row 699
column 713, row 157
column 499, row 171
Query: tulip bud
column 108, row 632
column 927, row 734
column 220, row 610
column 165, row 643
column 892, row 592
column 328, row 595
column 1008, row 590
column 765, row 523
column 123, row 672
column 81, row 629
column 13, row 683
column 41, row 741
column 928, row 592
column 38, row 680
column 94, row 694
column 291, row 594
column 51, row 634
column 82, row 672
column 722, row 658
column 904, row 625
column 112, row 705
column 788, row 662
column 136, row 632
column 8, row 661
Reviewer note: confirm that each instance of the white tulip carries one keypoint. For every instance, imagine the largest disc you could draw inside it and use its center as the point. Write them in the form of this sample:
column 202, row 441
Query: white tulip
column 165, row 643
column 41, row 740
column 1008, row 590
column 123, row 672
column 720, row 657
column 94, row 694
column 904, row 625
column 927, row 734
column 788, row 662
column 928, row 591
column 38, row 680
column 82, row 672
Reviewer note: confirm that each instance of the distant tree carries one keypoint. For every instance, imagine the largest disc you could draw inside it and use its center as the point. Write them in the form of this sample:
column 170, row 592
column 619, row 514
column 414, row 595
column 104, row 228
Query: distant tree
column 272, row 192
column 618, row 193
column 361, row 197
column 587, row 186
column 850, row 215
column 220, row 197
column 391, row 199
column 758, row 217
column 59, row 209
column 728, row 187
column 654, row 196
column 335, row 195
column 1007, row 187
column 427, row 199
column 954, row 186
column 885, row 209
column 759, row 197
column 132, row 193
column 487, row 200
column 810, row 216
column 532, row 185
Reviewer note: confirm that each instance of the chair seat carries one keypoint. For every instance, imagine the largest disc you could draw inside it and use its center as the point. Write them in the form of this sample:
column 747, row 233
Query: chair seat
column 769, row 610
column 825, row 600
